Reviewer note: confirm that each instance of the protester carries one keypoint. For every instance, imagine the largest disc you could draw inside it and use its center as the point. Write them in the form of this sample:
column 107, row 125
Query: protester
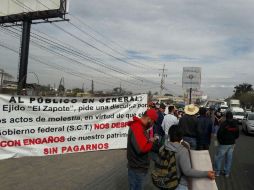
column 180, row 113
column 157, row 106
column 205, row 128
column 158, row 130
column 158, row 133
column 151, row 105
column 227, row 135
column 138, row 148
column 218, row 116
column 169, row 120
column 211, row 115
column 188, row 123
column 177, row 169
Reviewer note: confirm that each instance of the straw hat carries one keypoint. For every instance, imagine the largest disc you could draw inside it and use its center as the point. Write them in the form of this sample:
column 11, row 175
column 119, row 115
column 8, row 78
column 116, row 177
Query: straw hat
column 191, row 109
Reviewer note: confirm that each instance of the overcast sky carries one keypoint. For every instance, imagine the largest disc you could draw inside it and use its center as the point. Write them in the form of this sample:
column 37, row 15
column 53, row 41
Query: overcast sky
column 215, row 35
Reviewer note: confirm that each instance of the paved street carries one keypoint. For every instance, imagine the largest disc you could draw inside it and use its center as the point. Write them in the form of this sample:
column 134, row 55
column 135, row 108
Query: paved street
column 104, row 170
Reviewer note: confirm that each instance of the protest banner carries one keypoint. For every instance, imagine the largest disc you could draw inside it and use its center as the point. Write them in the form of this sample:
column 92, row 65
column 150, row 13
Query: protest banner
column 41, row 126
column 201, row 160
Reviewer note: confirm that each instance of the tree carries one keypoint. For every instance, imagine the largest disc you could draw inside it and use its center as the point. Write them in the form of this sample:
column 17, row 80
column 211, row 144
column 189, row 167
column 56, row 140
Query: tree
column 242, row 89
column 77, row 90
column 247, row 99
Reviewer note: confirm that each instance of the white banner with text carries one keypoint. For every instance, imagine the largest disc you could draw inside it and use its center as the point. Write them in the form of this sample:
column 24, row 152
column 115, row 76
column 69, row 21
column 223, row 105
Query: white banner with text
column 41, row 126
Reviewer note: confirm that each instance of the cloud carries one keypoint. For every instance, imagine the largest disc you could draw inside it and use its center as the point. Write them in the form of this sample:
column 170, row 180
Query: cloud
column 215, row 35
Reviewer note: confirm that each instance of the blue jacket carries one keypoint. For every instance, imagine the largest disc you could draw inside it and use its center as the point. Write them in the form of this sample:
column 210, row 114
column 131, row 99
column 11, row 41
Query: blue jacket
column 157, row 126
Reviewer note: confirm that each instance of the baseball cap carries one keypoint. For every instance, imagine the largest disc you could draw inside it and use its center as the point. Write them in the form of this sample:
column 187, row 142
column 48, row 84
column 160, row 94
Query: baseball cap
column 152, row 114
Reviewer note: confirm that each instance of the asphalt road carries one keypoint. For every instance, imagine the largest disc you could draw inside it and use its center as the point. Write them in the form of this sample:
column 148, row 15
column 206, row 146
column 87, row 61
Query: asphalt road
column 105, row 170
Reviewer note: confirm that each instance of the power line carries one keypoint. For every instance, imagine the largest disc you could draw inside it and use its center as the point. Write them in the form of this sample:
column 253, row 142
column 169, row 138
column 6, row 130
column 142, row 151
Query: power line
column 55, row 66
column 16, row 35
column 106, row 45
column 74, row 36
column 105, row 37
column 53, row 51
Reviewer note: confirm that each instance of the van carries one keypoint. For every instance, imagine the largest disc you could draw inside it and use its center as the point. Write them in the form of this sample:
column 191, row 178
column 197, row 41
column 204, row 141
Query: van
column 238, row 114
column 234, row 103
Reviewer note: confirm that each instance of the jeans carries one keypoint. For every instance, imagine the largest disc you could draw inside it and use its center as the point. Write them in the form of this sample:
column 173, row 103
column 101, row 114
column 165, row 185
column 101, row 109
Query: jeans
column 192, row 142
column 224, row 152
column 181, row 187
column 136, row 179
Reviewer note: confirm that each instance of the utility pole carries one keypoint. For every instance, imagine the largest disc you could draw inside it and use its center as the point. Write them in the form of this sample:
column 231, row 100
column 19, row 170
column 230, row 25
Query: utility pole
column 190, row 100
column 92, row 91
column 2, row 79
column 163, row 76
column 24, row 53
column 83, row 87
column 120, row 87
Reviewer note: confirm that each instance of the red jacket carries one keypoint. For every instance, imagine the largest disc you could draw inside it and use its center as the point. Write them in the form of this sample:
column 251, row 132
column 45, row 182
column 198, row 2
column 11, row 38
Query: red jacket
column 138, row 146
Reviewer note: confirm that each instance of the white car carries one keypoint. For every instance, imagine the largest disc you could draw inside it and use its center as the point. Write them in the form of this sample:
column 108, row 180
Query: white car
column 248, row 124
column 223, row 108
column 238, row 114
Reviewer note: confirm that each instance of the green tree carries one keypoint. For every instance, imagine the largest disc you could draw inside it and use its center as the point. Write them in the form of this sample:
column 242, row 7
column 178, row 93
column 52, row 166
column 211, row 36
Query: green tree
column 247, row 99
column 242, row 89
column 77, row 90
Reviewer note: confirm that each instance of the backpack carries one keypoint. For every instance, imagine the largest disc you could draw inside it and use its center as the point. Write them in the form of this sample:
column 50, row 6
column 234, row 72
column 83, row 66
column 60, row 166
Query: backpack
column 164, row 175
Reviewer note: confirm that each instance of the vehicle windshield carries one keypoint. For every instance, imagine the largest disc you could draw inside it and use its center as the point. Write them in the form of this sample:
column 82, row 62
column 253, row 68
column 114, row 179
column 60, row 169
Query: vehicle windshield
column 239, row 113
column 251, row 117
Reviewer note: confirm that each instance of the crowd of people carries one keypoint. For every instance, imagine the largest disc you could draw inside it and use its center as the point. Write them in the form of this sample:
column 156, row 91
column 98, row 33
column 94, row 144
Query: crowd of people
column 167, row 139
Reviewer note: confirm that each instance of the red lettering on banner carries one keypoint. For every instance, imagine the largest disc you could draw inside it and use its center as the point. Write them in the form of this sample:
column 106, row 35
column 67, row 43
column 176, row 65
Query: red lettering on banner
column 87, row 147
column 101, row 126
column 10, row 143
column 119, row 125
column 50, row 151
column 46, row 140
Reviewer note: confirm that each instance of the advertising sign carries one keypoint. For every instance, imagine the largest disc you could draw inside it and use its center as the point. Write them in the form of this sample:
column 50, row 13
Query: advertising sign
column 20, row 10
column 191, row 78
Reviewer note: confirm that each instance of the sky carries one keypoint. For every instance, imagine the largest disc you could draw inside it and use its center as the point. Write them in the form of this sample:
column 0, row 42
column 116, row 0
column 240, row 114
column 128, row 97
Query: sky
column 139, row 37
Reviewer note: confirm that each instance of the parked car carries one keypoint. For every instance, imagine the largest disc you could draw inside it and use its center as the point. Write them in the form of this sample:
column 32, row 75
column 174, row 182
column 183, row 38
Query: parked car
column 248, row 123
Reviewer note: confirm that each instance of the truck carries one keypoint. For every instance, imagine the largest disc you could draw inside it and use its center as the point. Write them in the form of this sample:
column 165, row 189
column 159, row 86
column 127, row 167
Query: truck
column 234, row 103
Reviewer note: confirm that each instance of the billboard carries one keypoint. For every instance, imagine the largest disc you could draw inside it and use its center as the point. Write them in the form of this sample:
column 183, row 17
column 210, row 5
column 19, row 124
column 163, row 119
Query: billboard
column 20, row 10
column 191, row 77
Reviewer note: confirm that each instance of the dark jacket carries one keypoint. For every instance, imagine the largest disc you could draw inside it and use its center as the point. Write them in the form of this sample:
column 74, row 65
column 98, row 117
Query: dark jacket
column 157, row 126
column 138, row 146
column 228, row 132
column 204, row 130
column 189, row 125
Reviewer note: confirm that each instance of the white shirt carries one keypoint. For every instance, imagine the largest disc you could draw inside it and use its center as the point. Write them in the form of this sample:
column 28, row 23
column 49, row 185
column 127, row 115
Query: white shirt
column 168, row 121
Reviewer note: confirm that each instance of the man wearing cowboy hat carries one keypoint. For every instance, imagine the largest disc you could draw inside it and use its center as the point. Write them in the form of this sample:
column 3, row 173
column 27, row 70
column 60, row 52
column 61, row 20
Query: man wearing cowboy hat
column 189, row 124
